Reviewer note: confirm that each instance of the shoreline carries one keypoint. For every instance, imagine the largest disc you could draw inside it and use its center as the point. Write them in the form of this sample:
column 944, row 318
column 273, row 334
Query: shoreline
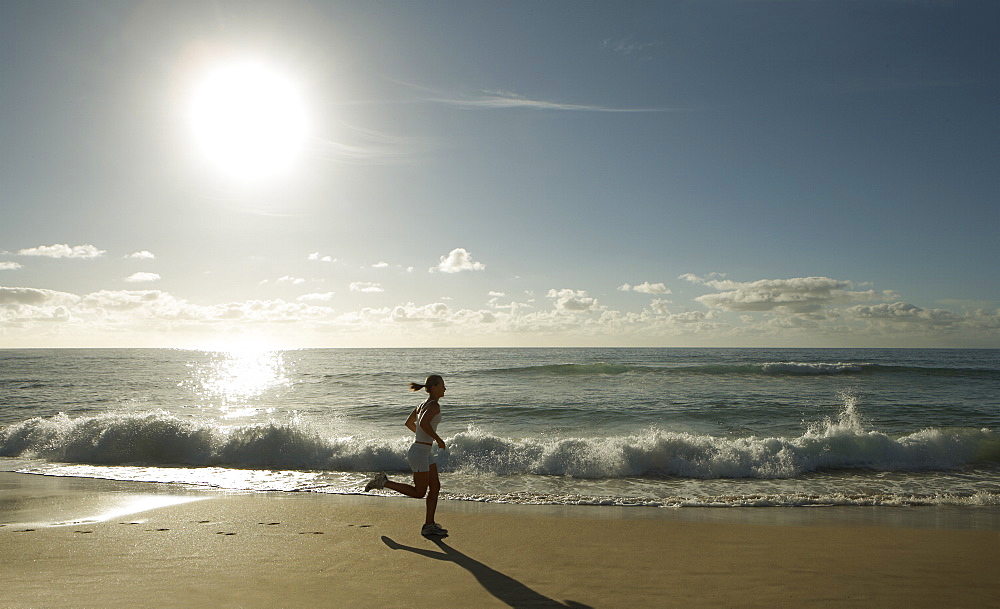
column 209, row 548
column 57, row 498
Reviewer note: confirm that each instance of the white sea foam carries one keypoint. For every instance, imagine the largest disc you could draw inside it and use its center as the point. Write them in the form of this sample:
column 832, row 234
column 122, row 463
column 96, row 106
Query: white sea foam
column 809, row 368
column 981, row 499
column 160, row 438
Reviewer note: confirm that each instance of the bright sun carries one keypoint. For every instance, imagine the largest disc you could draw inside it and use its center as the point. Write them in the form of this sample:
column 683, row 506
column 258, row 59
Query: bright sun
column 248, row 119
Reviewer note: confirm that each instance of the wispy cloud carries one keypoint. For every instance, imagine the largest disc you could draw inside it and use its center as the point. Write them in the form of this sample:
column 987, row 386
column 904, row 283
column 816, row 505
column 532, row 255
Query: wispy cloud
column 628, row 46
column 142, row 255
column 9, row 266
column 497, row 99
column 503, row 100
column 360, row 146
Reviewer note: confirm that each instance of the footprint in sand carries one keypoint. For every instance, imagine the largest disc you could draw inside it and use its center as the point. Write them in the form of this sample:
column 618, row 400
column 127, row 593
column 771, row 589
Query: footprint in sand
column 83, row 532
column 311, row 533
column 157, row 530
column 270, row 524
column 224, row 533
column 26, row 531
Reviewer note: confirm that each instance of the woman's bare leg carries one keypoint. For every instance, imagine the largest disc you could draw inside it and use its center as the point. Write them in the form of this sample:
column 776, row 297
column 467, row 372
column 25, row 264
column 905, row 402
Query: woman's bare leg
column 421, row 480
column 433, row 488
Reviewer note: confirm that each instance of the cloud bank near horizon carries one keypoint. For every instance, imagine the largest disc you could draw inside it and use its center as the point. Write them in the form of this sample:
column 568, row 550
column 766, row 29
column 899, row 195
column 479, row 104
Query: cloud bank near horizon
column 820, row 310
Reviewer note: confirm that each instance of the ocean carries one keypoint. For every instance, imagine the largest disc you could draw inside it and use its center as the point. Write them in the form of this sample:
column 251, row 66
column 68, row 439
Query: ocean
column 661, row 428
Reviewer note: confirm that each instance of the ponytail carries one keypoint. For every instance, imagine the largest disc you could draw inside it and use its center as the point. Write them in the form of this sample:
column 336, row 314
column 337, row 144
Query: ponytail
column 431, row 381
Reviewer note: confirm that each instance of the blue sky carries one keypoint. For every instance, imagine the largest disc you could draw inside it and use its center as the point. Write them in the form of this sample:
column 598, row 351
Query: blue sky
column 712, row 173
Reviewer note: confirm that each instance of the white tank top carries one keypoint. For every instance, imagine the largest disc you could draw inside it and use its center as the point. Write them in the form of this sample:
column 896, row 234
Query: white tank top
column 422, row 436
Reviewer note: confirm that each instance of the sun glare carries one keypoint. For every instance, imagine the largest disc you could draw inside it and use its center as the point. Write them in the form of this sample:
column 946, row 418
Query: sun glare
column 248, row 119
column 232, row 381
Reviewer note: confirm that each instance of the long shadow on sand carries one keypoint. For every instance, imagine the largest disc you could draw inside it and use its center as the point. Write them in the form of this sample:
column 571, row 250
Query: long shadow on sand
column 504, row 587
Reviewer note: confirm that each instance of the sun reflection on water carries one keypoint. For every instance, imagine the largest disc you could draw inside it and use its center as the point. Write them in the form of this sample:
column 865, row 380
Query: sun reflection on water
column 234, row 380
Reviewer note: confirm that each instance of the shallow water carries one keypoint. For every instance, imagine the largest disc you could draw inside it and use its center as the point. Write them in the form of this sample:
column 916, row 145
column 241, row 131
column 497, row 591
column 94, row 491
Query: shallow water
column 661, row 427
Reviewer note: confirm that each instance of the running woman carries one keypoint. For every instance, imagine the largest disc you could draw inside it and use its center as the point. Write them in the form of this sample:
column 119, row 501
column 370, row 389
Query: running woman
column 423, row 421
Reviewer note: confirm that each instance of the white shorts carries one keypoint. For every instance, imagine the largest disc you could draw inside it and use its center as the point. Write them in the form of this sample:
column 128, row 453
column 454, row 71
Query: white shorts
column 420, row 458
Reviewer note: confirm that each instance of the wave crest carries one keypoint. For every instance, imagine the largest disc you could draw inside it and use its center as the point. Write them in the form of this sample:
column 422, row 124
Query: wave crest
column 159, row 438
column 684, row 455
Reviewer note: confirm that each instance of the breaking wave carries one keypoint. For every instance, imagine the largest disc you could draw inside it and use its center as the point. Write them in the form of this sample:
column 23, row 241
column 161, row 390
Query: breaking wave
column 160, row 438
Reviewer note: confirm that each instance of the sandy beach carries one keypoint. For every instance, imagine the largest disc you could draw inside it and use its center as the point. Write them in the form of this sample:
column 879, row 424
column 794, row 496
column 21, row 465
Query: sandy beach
column 90, row 543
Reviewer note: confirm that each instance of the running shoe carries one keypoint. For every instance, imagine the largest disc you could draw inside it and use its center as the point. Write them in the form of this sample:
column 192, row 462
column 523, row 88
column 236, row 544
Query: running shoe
column 377, row 482
column 433, row 530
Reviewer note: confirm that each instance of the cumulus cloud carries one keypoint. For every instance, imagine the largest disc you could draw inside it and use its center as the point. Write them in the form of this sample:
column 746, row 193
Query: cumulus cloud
column 901, row 312
column 659, row 306
column 142, row 255
column 572, row 300
column 905, row 319
column 380, row 265
column 696, row 279
column 438, row 312
column 291, row 280
column 575, row 316
column 316, row 297
column 20, row 307
column 61, row 250
column 317, row 257
column 366, row 287
column 802, row 295
column 144, row 311
column 141, row 277
column 124, row 300
column 35, row 297
column 9, row 266
column 513, row 307
column 645, row 288
column 456, row 261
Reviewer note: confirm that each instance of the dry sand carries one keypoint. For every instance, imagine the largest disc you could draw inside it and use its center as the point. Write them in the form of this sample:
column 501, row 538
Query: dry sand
column 132, row 545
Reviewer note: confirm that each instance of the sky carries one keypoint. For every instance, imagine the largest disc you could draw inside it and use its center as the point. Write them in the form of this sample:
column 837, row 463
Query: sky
column 717, row 173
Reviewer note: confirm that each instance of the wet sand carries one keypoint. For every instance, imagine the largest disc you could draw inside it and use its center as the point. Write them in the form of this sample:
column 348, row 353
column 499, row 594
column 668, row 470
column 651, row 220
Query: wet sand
column 90, row 543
